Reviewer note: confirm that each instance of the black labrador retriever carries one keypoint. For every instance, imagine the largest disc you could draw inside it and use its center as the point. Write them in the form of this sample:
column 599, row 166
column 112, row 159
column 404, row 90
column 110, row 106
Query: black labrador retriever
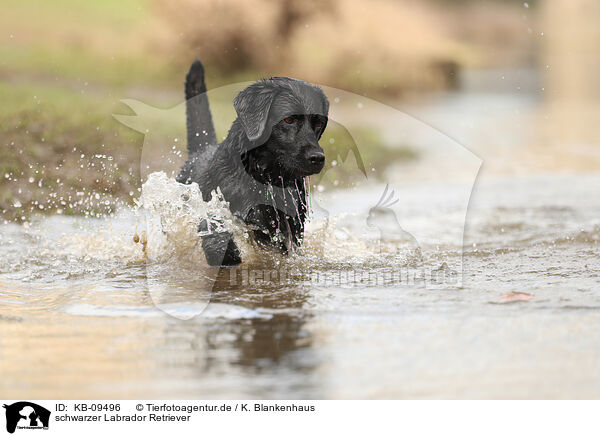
column 262, row 165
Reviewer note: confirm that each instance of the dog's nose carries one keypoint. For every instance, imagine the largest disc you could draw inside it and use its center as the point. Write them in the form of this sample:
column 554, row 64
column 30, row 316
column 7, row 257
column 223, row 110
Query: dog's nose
column 316, row 158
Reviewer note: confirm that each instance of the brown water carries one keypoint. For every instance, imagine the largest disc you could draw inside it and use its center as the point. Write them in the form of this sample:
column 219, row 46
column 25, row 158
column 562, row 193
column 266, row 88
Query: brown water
column 84, row 313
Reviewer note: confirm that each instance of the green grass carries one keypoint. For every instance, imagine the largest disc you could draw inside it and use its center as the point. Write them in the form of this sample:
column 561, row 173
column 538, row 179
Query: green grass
column 62, row 151
column 37, row 63
column 116, row 14
column 103, row 42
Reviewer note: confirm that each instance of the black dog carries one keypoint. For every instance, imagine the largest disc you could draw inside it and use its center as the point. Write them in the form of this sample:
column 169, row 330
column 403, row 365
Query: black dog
column 262, row 165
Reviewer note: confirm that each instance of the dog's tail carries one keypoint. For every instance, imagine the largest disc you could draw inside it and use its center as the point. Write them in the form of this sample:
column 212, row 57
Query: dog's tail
column 200, row 128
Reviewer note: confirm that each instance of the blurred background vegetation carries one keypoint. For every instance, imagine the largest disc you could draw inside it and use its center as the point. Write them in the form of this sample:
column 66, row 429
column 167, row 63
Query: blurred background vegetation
column 65, row 64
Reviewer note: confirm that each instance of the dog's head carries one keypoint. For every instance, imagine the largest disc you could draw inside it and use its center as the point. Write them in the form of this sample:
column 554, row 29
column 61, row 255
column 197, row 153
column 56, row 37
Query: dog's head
column 284, row 119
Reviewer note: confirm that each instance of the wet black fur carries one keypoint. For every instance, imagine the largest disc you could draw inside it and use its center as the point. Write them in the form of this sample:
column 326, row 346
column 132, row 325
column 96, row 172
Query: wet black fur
column 262, row 164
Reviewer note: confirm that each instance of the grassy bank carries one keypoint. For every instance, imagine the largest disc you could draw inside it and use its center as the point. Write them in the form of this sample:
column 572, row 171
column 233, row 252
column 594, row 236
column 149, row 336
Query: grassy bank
column 63, row 152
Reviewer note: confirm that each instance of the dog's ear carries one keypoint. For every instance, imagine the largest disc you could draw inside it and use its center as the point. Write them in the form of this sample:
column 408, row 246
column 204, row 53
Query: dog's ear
column 252, row 106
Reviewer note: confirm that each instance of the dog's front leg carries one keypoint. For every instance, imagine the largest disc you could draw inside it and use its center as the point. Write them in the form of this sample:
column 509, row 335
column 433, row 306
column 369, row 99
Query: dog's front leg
column 267, row 222
column 219, row 247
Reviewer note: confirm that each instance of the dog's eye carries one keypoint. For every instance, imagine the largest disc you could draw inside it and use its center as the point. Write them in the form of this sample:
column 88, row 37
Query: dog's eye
column 318, row 124
column 289, row 120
